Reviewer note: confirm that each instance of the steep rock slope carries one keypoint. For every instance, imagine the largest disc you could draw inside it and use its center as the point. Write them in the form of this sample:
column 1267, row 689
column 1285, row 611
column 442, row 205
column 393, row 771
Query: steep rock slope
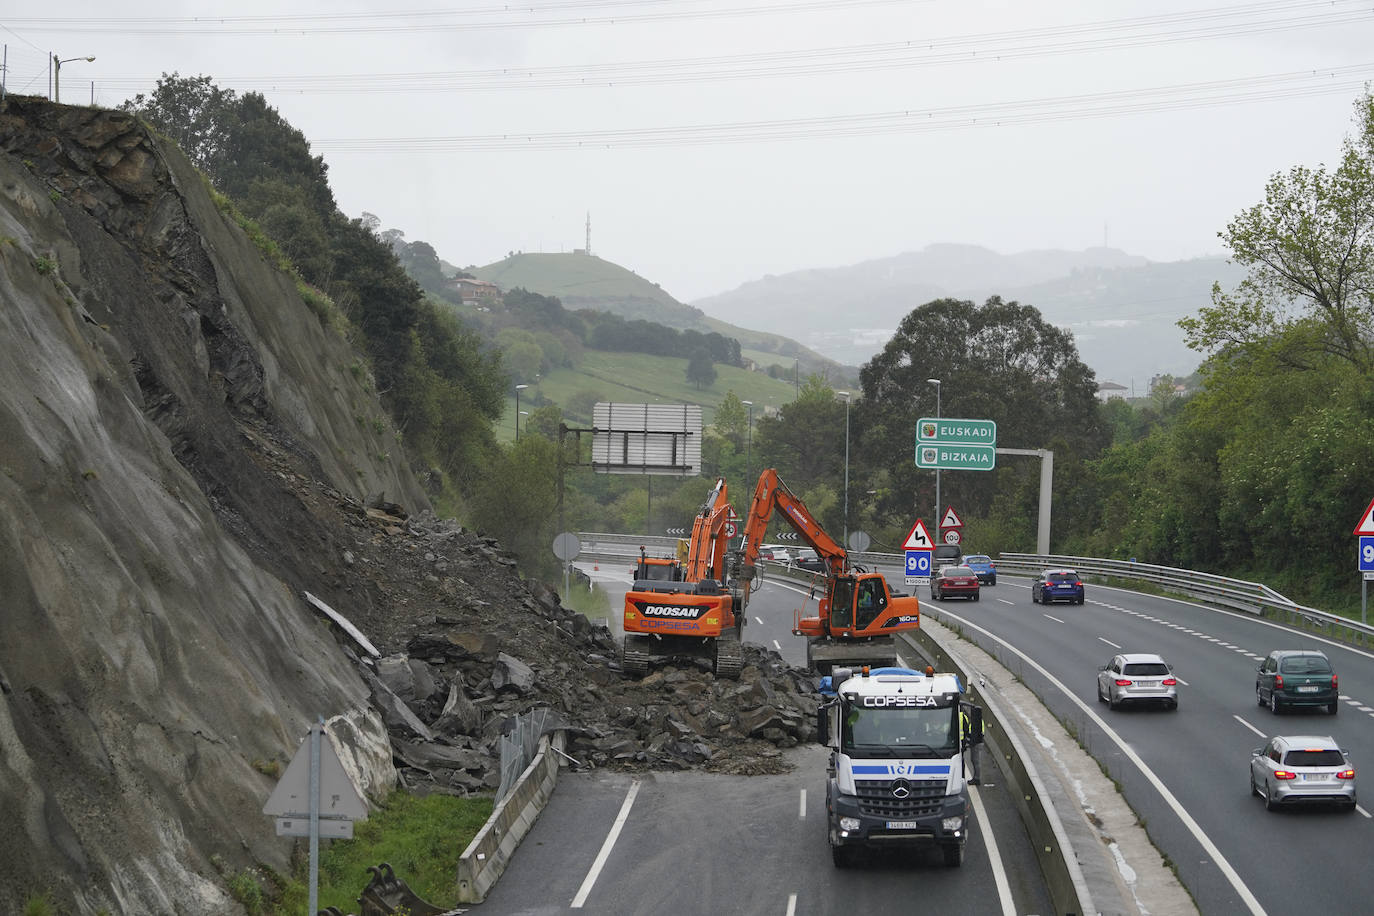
column 153, row 640
column 181, row 458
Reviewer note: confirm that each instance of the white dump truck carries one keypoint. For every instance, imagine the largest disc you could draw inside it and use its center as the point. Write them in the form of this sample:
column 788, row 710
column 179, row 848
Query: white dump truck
column 898, row 742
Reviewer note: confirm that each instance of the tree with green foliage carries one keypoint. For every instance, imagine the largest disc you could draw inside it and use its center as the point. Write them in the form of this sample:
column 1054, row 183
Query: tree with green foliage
column 701, row 371
column 1309, row 247
column 731, row 419
column 999, row 361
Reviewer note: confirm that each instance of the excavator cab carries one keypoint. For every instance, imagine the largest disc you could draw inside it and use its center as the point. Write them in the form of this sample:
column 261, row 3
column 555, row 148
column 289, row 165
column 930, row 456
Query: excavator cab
column 854, row 602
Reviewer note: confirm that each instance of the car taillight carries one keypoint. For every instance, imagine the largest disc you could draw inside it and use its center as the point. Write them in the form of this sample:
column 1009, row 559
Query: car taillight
column 1170, row 682
column 1278, row 682
column 1078, row 584
column 1285, row 774
column 1333, row 682
column 1346, row 774
column 1122, row 682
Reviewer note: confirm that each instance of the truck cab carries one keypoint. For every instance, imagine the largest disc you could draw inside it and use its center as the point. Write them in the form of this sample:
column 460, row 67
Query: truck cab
column 897, row 777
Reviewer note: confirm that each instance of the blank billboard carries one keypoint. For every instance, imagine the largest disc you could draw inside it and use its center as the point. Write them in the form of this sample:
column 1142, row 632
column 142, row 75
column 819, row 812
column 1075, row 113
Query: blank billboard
column 647, row 439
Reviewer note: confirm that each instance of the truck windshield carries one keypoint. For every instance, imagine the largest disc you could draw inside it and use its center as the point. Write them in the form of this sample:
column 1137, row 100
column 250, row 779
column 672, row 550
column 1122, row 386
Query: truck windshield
column 900, row 732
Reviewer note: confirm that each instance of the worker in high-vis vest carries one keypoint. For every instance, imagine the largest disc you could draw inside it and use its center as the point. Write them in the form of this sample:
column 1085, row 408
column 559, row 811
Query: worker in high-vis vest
column 965, row 742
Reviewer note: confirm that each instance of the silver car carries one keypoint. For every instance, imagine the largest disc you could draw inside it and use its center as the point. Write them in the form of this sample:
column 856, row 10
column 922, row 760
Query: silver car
column 1292, row 769
column 1137, row 678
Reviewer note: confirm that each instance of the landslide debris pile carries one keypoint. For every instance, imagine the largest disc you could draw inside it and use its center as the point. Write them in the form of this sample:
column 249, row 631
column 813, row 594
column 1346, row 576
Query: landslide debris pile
column 467, row 644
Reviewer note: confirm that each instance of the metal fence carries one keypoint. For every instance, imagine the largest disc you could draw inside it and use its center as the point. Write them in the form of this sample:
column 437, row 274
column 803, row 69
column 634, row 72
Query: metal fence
column 520, row 744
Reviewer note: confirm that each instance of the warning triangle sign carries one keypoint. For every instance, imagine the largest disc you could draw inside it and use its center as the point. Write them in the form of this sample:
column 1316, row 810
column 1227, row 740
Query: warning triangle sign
column 951, row 520
column 919, row 538
column 338, row 796
column 1366, row 525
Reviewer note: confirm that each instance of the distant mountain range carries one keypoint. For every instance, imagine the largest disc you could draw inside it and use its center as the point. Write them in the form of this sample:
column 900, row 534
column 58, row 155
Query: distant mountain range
column 1122, row 309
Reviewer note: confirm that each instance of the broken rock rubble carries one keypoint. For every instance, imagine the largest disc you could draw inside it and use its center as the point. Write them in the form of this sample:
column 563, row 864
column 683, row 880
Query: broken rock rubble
column 472, row 646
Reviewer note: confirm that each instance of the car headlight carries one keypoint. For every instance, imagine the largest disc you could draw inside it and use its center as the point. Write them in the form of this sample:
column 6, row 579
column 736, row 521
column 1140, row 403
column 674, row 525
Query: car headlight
column 849, row 823
column 952, row 824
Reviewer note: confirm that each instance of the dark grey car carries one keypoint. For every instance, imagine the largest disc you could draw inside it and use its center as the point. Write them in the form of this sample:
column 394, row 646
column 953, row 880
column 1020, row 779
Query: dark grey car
column 1297, row 677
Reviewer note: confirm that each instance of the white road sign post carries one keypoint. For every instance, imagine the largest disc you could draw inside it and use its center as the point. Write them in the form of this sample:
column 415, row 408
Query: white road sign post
column 918, row 547
column 315, row 773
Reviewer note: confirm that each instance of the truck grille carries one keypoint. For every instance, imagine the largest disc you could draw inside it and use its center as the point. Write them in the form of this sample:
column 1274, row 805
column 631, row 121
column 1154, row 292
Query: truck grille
column 876, row 799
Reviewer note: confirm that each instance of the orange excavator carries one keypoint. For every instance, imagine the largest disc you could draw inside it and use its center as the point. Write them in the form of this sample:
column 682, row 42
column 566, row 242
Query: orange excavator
column 687, row 607
column 858, row 613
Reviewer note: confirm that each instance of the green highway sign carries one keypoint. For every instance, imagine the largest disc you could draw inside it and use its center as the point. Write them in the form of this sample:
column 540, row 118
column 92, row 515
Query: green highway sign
column 956, row 456
column 930, row 430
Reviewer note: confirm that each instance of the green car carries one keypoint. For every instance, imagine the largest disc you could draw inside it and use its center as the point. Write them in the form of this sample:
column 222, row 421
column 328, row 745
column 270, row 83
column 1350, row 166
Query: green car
column 1296, row 677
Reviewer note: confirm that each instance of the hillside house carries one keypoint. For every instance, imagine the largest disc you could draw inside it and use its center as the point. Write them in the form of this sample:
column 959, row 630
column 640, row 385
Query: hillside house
column 1108, row 390
column 476, row 292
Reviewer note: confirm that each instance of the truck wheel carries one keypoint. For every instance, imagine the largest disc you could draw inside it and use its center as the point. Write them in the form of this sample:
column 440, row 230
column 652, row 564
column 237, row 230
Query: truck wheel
column 842, row 856
column 954, row 855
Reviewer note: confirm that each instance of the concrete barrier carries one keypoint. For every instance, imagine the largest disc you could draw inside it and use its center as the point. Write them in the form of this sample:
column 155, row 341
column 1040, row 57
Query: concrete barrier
column 487, row 855
column 1059, row 862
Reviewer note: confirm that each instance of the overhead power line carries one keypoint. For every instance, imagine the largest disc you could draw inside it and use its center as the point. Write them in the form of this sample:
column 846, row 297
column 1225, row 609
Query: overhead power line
column 548, row 15
column 981, row 48
column 1210, row 94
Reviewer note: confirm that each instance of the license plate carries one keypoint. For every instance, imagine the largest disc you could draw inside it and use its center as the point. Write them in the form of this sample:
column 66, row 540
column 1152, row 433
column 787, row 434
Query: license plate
column 1315, row 777
column 1307, row 688
column 903, row 825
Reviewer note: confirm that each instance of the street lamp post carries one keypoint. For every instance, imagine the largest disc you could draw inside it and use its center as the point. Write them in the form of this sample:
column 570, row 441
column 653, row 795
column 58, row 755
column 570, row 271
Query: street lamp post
column 749, row 445
column 936, row 383
column 518, row 389
column 845, row 395
column 57, row 74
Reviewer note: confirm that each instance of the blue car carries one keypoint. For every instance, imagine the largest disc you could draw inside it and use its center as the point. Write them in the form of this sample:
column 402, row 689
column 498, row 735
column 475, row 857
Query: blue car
column 1057, row 585
column 982, row 567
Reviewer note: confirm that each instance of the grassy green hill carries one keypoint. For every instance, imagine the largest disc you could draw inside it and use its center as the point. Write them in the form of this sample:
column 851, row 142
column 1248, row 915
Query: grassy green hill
column 641, row 379
column 588, row 282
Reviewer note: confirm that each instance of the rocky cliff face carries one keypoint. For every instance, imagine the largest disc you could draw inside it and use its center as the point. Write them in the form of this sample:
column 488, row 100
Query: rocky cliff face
column 153, row 639
column 185, row 451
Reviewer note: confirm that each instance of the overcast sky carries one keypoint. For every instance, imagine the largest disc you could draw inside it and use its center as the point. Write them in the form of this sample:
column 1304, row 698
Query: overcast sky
column 717, row 141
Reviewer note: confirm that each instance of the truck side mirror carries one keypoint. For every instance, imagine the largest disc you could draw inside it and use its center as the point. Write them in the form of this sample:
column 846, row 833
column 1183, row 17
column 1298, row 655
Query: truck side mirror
column 823, row 725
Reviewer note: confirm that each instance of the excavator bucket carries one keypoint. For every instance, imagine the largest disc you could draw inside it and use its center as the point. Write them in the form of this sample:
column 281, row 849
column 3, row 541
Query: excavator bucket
column 388, row 895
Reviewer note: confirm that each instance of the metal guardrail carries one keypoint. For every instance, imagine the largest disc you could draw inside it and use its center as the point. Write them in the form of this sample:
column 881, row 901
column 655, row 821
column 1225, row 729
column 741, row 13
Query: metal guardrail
column 1250, row 597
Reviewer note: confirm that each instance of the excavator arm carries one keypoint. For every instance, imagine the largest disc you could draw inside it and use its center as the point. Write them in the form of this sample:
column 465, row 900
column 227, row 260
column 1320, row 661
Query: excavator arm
column 858, row 613
column 772, row 495
column 706, row 552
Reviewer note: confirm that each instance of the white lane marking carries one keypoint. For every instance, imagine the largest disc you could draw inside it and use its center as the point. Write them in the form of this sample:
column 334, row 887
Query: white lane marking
column 1180, row 680
column 759, row 619
column 1193, row 827
column 776, row 646
column 1108, row 642
column 791, row 904
column 1362, row 811
column 1054, row 618
column 999, row 871
column 1005, row 601
column 1249, row 726
column 606, row 846
column 801, row 811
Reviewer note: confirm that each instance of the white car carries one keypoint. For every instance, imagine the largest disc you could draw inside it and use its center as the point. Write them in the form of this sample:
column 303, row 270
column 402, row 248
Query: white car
column 1137, row 678
column 1293, row 769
